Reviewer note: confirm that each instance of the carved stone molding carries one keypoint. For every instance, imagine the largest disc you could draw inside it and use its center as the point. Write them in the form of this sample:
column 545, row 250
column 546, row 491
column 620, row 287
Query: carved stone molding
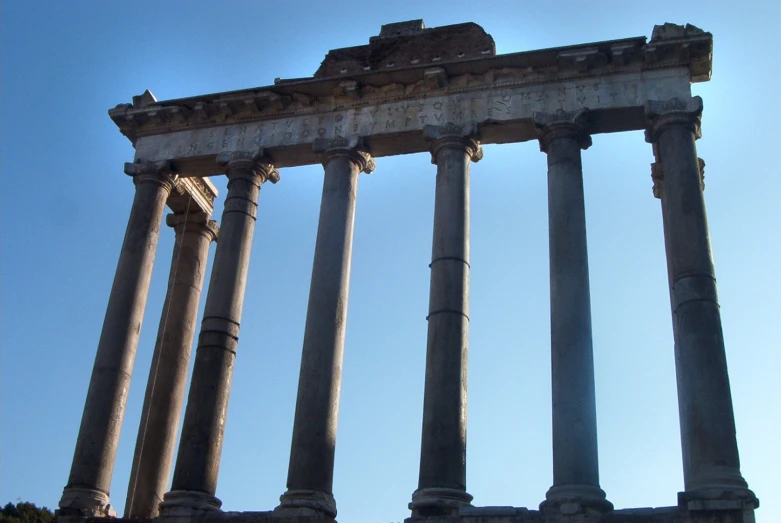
column 161, row 172
column 563, row 124
column 195, row 221
column 582, row 60
column 252, row 162
column 680, row 43
column 193, row 194
column 660, row 114
column 454, row 136
column 675, row 46
column 353, row 147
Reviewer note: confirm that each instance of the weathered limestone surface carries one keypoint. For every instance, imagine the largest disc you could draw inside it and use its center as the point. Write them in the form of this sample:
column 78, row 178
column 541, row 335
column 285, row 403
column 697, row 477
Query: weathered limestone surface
column 197, row 465
column 502, row 114
column 575, row 461
column 390, row 105
column 311, row 469
column 408, row 90
column 87, row 491
column 711, row 464
column 442, row 479
column 165, row 388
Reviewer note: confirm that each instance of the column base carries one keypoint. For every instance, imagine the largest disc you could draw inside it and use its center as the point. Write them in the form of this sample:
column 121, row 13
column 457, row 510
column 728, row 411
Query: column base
column 717, row 486
column 575, row 499
column 87, row 502
column 308, row 503
column 428, row 502
column 188, row 503
column 717, row 499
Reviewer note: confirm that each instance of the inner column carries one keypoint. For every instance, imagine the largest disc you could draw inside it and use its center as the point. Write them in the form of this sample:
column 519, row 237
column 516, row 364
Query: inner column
column 165, row 389
column 575, row 459
column 442, row 480
column 200, row 447
column 311, row 469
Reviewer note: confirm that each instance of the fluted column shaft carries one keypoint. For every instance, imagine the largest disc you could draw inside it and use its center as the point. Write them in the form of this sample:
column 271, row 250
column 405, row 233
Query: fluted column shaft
column 711, row 463
column 575, row 457
column 442, row 479
column 200, row 447
column 89, row 482
column 170, row 363
column 311, row 469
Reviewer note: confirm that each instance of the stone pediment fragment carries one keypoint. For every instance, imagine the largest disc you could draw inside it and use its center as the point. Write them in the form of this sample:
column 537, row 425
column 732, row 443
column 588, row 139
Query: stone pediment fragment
column 670, row 31
column 407, row 44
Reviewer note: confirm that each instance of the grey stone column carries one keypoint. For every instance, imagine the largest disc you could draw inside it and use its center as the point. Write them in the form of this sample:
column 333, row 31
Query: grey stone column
column 575, row 458
column 711, row 466
column 442, row 479
column 311, row 469
column 198, row 460
column 87, row 492
column 168, row 373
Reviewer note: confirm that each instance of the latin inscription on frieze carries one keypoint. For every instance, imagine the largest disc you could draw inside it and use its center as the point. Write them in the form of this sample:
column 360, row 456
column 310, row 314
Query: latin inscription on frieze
column 494, row 105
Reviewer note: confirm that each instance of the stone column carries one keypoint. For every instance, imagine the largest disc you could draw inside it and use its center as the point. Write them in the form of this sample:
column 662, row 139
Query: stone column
column 442, row 480
column 198, row 461
column 575, row 459
column 168, row 374
column 311, row 469
column 87, row 492
column 711, row 465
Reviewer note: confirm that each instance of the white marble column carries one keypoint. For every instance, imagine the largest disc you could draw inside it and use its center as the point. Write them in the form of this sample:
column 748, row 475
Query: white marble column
column 198, row 460
column 711, row 465
column 170, row 363
column 311, row 469
column 442, row 479
column 575, row 459
column 87, row 492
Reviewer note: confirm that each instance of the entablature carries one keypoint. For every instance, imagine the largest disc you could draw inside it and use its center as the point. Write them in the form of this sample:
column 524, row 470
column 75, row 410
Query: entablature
column 191, row 195
column 388, row 108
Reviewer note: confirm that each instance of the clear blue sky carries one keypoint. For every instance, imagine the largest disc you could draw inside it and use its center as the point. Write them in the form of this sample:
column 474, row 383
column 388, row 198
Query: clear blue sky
column 65, row 204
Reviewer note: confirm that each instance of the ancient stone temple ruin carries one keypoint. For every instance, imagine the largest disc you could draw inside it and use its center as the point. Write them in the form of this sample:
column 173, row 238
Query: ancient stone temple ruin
column 411, row 89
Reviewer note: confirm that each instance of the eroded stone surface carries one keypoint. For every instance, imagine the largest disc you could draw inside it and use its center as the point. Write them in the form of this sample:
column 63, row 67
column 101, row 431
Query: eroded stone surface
column 408, row 86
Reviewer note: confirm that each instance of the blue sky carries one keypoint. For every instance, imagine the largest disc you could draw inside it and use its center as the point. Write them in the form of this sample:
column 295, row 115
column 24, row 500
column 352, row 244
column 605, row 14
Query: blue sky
column 64, row 204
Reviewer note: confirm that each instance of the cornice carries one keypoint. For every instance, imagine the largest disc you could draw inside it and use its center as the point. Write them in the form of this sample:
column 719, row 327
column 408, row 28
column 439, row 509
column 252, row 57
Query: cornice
column 674, row 48
column 201, row 190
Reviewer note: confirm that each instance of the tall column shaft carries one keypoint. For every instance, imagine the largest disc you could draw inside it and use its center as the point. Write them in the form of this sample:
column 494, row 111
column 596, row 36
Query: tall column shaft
column 168, row 373
column 574, row 429
column 311, row 469
column 89, row 482
column 442, row 479
column 200, row 447
column 711, row 462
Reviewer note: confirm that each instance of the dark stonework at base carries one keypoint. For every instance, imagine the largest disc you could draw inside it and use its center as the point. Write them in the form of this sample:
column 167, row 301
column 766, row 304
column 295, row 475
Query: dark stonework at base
column 564, row 514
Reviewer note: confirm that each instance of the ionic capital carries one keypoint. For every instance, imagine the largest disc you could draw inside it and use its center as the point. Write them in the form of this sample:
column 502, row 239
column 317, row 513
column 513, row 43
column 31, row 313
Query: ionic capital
column 662, row 114
column 657, row 176
column 562, row 124
column 353, row 148
column 452, row 136
column 161, row 173
column 198, row 222
column 252, row 164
